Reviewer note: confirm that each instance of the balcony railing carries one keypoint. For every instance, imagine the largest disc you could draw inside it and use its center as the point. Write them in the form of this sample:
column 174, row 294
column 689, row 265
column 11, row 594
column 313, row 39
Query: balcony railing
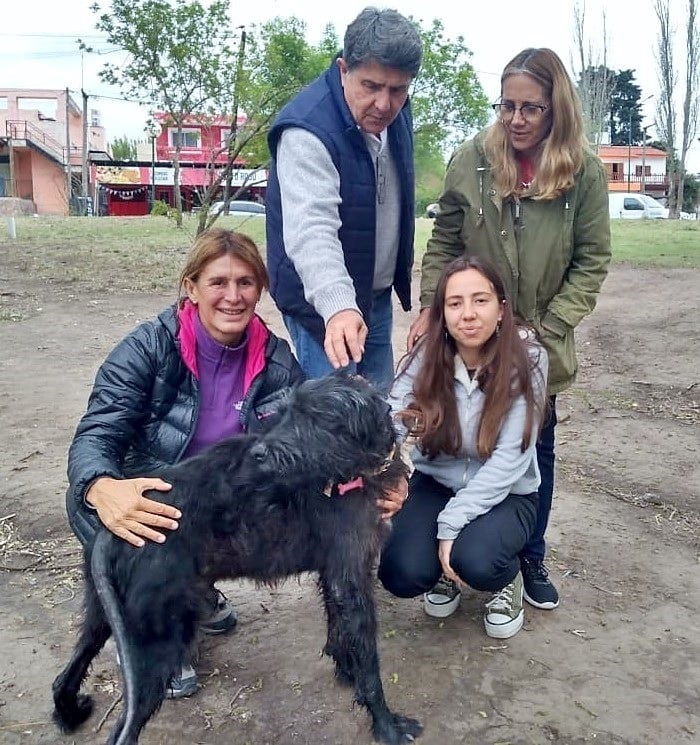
column 654, row 178
column 21, row 130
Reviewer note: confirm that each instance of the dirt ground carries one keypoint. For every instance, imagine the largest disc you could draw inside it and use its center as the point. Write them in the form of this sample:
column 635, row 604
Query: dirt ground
column 616, row 663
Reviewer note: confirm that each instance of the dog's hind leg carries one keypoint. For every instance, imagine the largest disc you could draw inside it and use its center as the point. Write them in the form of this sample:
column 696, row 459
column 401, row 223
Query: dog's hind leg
column 72, row 708
column 352, row 642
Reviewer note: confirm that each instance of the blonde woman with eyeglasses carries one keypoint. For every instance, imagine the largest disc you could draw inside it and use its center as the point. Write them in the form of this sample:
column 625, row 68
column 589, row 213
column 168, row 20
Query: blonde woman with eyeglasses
column 529, row 194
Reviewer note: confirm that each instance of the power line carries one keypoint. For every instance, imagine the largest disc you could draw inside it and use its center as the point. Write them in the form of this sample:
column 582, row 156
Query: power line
column 53, row 36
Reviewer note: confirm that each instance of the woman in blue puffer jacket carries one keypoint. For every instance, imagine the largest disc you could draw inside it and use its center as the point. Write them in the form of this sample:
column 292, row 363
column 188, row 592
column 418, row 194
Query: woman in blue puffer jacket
column 205, row 369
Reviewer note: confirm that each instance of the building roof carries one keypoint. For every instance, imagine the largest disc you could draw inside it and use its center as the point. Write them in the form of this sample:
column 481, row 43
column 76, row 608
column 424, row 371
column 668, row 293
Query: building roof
column 622, row 151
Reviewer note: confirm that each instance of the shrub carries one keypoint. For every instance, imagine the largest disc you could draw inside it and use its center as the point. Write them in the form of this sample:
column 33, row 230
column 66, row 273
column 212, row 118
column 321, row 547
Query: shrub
column 160, row 209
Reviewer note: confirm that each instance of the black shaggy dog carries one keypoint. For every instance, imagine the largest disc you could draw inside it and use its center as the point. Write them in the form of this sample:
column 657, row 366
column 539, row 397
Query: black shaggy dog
column 264, row 507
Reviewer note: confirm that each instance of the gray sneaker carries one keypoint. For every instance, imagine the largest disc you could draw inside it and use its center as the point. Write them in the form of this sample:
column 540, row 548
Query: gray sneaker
column 183, row 685
column 179, row 686
column 443, row 599
column 504, row 613
column 222, row 616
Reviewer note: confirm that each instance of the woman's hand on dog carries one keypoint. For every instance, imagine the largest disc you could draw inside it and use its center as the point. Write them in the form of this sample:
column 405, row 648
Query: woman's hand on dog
column 444, row 554
column 393, row 500
column 124, row 511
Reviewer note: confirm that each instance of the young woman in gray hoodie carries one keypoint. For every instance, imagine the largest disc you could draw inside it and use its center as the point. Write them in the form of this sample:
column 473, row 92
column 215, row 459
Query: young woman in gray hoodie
column 471, row 395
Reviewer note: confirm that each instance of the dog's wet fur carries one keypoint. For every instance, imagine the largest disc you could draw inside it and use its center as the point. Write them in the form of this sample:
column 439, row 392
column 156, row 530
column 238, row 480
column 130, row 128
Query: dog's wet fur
column 255, row 506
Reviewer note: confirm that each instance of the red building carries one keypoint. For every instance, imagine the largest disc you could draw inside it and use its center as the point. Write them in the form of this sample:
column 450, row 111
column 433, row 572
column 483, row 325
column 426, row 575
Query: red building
column 124, row 188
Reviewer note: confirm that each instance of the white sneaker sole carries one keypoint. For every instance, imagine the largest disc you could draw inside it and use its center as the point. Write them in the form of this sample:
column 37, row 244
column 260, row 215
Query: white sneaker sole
column 441, row 609
column 543, row 606
column 504, row 630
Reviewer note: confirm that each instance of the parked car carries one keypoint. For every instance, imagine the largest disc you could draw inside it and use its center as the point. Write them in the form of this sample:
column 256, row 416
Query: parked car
column 238, row 207
column 432, row 210
column 635, row 206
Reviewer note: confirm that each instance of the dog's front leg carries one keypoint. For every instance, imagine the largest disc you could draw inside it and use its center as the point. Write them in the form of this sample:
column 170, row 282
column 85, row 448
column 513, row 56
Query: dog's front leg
column 352, row 642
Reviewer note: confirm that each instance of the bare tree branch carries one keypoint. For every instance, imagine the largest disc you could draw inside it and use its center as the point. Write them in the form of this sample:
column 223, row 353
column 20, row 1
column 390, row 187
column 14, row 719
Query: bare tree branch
column 595, row 83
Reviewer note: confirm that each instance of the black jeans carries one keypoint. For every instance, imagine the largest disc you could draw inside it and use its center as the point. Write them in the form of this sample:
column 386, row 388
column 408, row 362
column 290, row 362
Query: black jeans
column 535, row 547
column 484, row 555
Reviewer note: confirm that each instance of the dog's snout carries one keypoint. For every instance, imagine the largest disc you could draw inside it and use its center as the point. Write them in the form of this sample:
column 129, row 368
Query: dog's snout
column 259, row 451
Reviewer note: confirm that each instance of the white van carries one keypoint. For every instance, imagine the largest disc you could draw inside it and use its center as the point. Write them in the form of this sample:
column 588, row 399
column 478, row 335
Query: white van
column 635, row 206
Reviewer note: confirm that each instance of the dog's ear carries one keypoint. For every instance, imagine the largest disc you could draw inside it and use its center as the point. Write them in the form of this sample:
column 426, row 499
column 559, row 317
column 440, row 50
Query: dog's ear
column 269, row 410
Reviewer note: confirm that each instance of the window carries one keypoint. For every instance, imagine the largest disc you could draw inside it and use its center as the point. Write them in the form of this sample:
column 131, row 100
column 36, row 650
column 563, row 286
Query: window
column 3, row 102
column 190, row 138
column 638, row 170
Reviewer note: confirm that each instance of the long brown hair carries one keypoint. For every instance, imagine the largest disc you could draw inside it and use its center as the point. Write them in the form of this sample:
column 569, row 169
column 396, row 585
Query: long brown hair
column 506, row 373
column 562, row 149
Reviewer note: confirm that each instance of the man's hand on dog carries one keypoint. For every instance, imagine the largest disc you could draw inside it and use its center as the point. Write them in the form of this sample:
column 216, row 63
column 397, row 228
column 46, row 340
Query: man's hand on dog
column 124, row 511
column 393, row 499
column 345, row 332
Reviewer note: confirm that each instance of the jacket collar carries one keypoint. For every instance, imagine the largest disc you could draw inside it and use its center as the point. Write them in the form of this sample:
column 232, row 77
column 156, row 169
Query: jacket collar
column 258, row 334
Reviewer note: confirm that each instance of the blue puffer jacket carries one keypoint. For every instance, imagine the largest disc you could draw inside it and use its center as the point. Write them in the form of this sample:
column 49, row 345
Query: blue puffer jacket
column 143, row 409
column 321, row 109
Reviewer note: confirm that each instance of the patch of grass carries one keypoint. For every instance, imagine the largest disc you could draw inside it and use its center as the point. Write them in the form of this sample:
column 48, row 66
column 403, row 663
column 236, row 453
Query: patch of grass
column 146, row 252
column 662, row 243
column 132, row 253
column 667, row 243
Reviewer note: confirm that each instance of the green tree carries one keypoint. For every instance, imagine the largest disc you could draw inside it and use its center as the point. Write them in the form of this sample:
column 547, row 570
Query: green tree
column 123, row 148
column 691, row 193
column 625, row 103
column 178, row 60
column 447, row 99
column 278, row 62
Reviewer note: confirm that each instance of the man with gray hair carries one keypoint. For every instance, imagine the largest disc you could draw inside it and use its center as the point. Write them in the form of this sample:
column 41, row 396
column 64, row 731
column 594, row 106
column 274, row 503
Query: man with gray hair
column 340, row 201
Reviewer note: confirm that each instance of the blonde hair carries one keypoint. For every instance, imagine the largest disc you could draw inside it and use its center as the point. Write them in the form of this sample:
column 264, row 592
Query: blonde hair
column 562, row 148
column 212, row 244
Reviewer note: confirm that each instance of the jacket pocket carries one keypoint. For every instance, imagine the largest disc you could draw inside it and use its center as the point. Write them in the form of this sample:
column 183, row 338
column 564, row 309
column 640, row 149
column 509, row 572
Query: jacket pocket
column 558, row 339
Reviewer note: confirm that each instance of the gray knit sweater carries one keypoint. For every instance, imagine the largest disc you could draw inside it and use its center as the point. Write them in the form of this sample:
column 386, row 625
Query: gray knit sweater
column 310, row 192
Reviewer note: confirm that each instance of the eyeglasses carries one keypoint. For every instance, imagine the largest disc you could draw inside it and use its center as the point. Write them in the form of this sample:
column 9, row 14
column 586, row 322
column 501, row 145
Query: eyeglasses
column 529, row 111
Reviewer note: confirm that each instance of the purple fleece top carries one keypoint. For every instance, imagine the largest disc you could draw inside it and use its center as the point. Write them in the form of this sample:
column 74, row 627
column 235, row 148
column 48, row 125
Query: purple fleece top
column 224, row 375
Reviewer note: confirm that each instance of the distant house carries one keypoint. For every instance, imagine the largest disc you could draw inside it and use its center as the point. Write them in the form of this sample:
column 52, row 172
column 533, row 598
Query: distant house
column 635, row 169
column 41, row 147
column 124, row 188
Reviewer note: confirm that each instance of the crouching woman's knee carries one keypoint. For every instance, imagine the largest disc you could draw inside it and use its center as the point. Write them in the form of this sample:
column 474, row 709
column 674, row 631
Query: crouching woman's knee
column 483, row 572
column 402, row 578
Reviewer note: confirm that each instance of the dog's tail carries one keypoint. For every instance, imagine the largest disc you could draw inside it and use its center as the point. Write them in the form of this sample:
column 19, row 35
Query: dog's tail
column 102, row 577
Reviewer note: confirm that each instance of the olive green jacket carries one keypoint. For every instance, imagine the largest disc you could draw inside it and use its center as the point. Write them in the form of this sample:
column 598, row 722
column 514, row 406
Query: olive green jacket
column 553, row 254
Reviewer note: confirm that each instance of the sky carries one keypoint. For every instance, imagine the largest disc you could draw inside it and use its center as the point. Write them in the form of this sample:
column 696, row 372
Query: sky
column 39, row 49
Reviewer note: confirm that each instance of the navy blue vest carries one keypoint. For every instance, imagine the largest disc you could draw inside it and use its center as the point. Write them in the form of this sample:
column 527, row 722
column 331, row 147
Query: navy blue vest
column 321, row 109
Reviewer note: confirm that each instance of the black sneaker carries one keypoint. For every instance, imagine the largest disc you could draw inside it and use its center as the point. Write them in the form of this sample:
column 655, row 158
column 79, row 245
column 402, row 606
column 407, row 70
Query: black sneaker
column 538, row 589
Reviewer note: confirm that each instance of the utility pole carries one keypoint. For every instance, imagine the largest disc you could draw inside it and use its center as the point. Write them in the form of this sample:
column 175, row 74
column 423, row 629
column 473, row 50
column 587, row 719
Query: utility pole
column 234, row 123
column 69, row 189
column 10, row 146
column 644, row 158
column 84, row 190
column 629, row 151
